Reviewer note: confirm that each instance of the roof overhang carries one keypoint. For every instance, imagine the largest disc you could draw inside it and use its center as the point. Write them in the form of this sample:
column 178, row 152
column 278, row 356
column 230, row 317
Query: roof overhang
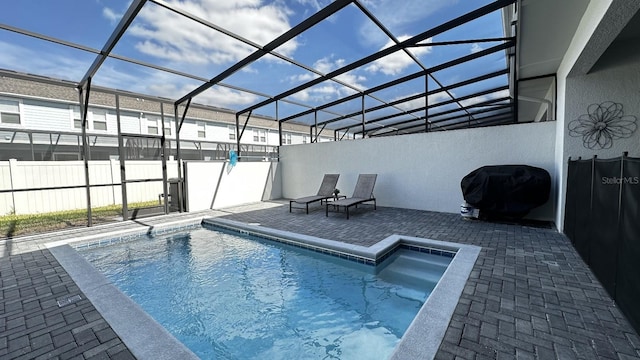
column 546, row 28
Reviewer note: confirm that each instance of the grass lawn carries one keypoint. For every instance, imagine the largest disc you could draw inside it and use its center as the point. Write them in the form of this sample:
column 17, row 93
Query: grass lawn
column 19, row 225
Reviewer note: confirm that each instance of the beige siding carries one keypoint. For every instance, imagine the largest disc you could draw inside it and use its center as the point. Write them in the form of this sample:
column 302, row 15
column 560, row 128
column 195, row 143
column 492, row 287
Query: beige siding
column 48, row 116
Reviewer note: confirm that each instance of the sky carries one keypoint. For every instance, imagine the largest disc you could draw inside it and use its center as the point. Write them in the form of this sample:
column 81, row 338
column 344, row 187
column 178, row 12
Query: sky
column 166, row 39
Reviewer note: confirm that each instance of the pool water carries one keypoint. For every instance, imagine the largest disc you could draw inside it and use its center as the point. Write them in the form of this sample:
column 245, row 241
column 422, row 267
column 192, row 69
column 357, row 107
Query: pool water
column 231, row 296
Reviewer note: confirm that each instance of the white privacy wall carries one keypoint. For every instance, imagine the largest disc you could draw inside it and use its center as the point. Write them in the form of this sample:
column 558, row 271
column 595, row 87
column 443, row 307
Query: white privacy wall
column 419, row 171
column 216, row 184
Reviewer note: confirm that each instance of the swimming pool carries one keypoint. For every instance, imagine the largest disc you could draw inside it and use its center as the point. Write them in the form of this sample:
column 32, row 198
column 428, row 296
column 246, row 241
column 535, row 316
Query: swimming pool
column 147, row 339
column 227, row 296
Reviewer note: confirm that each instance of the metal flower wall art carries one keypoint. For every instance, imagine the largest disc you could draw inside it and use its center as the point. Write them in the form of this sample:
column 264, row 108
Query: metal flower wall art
column 602, row 124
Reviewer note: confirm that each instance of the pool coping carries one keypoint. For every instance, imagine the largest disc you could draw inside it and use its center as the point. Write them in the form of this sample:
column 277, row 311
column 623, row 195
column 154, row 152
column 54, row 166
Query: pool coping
column 421, row 340
column 143, row 336
column 128, row 234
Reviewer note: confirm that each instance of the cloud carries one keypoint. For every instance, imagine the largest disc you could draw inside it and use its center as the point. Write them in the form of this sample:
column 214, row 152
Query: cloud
column 112, row 77
column 479, row 99
column 322, row 93
column 397, row 62
column 165, row 35
column 315, row 4
column 111, row 15
column 66, row 67
column 411, row 11
column 419, row 102
column 169, row 86
column 327, row 90
column 225, row 97
column 172, row 87
column 399, row 19
column 73, row 68
column 354, row 80
column 300, row 78
column 476, row 47
column 22, row 59
column 329, row 64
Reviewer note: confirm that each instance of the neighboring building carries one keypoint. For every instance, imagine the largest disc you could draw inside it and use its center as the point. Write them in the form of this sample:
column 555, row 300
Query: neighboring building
column 42, row 121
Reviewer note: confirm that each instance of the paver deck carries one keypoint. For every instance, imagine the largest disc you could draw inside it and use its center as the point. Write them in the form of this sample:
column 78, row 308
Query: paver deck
column 529, row 296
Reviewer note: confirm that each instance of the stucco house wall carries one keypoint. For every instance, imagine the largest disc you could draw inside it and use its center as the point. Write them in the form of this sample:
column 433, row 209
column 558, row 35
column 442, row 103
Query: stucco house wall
column 419, row 171
column 596, row 68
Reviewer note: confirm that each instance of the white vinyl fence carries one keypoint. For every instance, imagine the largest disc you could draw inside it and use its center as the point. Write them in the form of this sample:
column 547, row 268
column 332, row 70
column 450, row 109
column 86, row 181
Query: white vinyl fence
column 16, row 176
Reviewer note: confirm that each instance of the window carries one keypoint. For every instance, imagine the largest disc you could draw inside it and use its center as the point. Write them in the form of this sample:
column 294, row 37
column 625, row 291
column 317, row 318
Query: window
column 201, row 129
column 9, row 111
column 97, row 116
column 232, row 132
column 77, row 117
column 167, row 127
column 152, row 125
column 305, row 139
column 259, row 135
column 286, row 139
column 99, row 119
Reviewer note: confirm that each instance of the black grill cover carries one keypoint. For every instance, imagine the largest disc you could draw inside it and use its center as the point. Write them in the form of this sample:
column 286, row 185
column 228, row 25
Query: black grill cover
column 506, row 190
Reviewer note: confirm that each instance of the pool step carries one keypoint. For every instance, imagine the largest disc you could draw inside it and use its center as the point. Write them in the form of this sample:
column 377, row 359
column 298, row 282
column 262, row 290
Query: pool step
column 411, row 255
column 415, row 269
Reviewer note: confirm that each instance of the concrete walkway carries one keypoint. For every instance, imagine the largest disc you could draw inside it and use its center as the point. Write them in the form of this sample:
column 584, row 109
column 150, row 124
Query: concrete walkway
column 529, row 296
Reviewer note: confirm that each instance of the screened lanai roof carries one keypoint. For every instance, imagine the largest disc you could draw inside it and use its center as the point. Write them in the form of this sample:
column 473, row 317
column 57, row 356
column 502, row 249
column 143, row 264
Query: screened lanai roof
column 368, row 67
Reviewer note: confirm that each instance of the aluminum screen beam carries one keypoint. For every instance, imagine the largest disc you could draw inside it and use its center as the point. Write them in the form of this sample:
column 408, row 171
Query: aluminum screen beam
column 280, row 40
column 140, row 63
column 476, row 122
column 496, row 106
column 497, row 5
column 406, row 51
column 470, row 96
column 97, row 52
column 399, row 81
column 417, row 96
column 124, row 23
column 355, row 96
column 254, row 45
column 498, row 119
column 444, row 88
column 438, row 68
column 47, row 38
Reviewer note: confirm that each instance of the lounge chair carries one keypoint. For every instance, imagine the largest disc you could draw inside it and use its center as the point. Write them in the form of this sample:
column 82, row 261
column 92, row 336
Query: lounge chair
column 361, row 194
column 325, row 192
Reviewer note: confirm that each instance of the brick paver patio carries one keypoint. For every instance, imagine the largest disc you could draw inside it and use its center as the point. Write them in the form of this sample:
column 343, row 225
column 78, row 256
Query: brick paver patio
column 530, row 296
column 43, row 314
